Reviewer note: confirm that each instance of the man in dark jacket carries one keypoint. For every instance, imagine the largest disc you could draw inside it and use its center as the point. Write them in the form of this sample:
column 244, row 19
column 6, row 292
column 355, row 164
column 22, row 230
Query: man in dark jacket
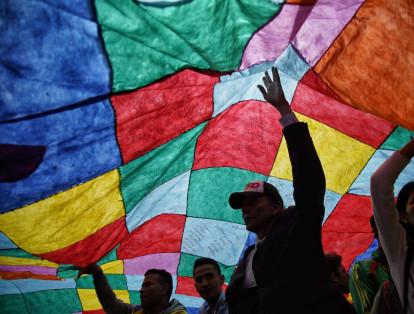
column 285, row 272
column 155, row 293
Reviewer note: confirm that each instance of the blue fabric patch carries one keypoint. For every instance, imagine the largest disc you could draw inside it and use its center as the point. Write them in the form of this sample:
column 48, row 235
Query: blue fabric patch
column 251, row 239
column 240, row 86
column 32, row 285
column 220, row 240
column 368, row 253
column 51, row 57
column 192, row 310
column 285, row 188
column 5, row 242
column 361, row 185
column 80, row 145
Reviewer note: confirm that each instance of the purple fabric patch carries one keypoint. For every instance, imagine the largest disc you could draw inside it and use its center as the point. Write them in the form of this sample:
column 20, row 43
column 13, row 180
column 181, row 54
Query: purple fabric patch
column 139, row 265
column 269, row 42
column 324, row 23
column 33, row 269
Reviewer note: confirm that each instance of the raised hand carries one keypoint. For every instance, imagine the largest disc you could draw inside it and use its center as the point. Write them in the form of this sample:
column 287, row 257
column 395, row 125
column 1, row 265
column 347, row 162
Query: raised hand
column 273, row 92
column 90, row 269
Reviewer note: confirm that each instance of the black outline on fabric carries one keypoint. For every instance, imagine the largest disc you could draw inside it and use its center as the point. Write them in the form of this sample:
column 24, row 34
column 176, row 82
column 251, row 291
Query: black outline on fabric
column 281, row 5
column 339, row 34
column 12, row 248
column 359, row 173
column 122, row 198
column 344, row 104
column 211, row 73
column 386, row 139
column 189, row 180
column 347, row 191
column 111, row 79
column 21, row 294
column 240, row 102
column 80, row 104
column 87, row 179
column 155, row 253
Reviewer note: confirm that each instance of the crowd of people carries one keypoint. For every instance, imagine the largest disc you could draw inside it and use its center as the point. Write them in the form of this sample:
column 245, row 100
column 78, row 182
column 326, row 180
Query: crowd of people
column 286, row 270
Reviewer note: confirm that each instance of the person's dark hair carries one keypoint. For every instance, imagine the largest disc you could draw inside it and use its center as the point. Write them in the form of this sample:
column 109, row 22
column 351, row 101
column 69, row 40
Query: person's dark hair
column 165, row 278
column 206, row 261
column 333, row 261
column 403, row 196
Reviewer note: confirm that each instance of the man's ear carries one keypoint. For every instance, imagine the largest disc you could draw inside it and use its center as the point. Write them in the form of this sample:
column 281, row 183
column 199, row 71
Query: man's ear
column 222, row 279
column 165, row 289
column 403, row 217
column 276, row 208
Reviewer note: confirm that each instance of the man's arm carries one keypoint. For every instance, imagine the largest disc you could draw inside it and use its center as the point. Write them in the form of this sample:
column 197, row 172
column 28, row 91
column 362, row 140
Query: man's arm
column 308, row 176
column 392, row 234
column 104, row 292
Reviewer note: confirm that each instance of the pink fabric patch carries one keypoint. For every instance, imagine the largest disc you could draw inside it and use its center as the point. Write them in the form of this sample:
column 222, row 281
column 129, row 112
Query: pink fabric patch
column 327, row 19
column 270, row 41
column 33, row 269
column 139, row 265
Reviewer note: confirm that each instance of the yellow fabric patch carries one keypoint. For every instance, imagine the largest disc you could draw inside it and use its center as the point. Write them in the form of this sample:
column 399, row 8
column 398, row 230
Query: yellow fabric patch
column 90, row 302
column 115, row 267
column 342, row 157
column 65, row 218
column 8, row 260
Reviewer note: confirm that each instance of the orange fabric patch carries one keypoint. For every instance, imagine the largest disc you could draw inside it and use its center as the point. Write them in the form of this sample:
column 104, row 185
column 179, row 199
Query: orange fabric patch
column 25, row 275
column 371, row 63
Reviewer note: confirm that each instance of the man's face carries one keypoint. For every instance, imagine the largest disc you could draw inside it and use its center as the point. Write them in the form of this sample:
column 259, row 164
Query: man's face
column 152, row 291
column 341, row 278
column 208, row 282
column 257, row 212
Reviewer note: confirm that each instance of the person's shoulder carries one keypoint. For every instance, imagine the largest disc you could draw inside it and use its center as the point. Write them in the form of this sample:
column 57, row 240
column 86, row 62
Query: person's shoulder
column 138, row 310
column 175, row 308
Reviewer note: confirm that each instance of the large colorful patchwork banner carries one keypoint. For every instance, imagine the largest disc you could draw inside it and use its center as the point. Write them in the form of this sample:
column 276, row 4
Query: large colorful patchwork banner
column 125, row 125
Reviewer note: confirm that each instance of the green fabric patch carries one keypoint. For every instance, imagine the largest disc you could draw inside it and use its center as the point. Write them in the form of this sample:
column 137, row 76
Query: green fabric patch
column 208, row 195
column 398, row 139
column 110, row 257
column 67, row 271
column 134, row 297
column 17, row 253
column 145, row 43
column 13, row 303
column 53, row 301
column 141, row 176
column 116, row 281
column 185, row 268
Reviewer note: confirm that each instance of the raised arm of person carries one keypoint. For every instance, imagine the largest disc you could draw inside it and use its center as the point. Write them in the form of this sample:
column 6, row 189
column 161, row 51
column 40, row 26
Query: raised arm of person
column 106, row 296
column 391, row 232
column 308, row 176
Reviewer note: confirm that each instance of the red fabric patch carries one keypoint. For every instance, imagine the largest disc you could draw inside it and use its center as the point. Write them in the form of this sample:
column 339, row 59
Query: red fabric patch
column 347, row 231
column 348, row 245
column 153, row 115
column 315, row 100
column 94, row 312
column 91, row 249
column 312, row 80
column 245, row 136
column 162, row 234
column 185, row 285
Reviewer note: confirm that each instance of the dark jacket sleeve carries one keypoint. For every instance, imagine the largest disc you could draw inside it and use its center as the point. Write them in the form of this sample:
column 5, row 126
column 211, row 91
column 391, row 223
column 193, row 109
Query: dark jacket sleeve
column 107, row 297
column 308, row 176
